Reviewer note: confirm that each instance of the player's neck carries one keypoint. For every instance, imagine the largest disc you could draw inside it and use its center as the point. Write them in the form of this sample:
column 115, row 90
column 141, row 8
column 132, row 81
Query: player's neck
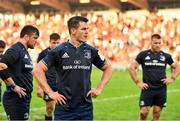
column 154, row 51
column 23, row 42
column 75, row 42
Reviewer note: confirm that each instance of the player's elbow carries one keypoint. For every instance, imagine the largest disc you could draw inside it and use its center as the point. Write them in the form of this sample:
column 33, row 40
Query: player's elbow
column 39, row 69
column 35, row 71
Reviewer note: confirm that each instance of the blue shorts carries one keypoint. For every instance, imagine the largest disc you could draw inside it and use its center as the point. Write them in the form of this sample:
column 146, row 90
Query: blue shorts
column 16, row 108
column 155, row 97
column 83, row 112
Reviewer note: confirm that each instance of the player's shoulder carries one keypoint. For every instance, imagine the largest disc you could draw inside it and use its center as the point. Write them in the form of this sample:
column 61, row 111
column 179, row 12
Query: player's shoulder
column 88, row 46
column 61, row 46
column 16, row 47
column 165, row 53
column 144, row 52
column 44, row 52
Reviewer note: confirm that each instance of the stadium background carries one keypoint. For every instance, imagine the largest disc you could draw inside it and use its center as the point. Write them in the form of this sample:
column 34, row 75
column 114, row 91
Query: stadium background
column 119, row 28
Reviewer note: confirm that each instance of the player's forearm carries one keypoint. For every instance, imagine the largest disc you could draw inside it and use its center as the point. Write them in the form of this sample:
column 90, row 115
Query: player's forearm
column 9, row 81
column 175, row 72
column 133, row 74
column 105, row 77
column 41, row 80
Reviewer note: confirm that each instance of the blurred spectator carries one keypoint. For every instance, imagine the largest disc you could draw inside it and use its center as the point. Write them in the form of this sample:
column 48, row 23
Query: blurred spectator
column 118, row 36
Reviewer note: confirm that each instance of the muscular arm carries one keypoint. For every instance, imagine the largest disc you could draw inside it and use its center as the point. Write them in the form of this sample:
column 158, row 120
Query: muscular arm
column 39, row 74
column 133, row 73
column 107, row 72
column 175, row 72
column 8, row 59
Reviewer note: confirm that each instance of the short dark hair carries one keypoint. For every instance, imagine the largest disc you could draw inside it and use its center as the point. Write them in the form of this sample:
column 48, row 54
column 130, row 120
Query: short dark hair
column 155, row 36
column 29, row 30
column 2, row 44
column 54, row 36
column 73, row 22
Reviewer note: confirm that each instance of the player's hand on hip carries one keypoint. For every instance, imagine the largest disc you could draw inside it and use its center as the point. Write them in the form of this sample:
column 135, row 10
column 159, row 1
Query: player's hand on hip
column 3, row 66
column 58, row 98
column 20, row 91
column 142, row 85
column 94, row 92
column 167, row 81
column 40, row 92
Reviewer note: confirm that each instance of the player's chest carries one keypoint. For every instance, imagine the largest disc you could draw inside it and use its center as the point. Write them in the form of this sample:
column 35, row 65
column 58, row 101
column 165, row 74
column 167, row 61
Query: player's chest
column 26, row 62
column 154, row 60
column 76, row 57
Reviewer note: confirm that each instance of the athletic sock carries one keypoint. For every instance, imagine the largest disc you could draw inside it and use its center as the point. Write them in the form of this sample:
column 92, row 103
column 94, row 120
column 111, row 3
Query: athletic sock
column 48, row 118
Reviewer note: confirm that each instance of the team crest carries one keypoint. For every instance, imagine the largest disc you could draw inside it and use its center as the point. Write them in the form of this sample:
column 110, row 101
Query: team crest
column 162, row 58
column 142, row 103
column 87, row 54
column 26, row 115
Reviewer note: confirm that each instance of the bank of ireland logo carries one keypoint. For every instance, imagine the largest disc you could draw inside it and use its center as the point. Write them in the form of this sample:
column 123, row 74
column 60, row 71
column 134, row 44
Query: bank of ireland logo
column 77, row 61
column 87, row 54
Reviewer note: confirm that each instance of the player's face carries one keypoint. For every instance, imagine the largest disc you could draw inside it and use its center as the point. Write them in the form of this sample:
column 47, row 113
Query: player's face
column 81, row 33
column 32, row 41
column 156, row 44
column 53, row 43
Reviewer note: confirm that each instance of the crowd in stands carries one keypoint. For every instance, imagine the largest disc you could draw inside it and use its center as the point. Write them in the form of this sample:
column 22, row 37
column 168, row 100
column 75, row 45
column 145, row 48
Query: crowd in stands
column 119, row 37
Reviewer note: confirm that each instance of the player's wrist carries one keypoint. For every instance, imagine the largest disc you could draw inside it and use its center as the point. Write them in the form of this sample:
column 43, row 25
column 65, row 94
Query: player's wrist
column 49, row 93
column 173, row 78
column 137, row 81
column 12, row 86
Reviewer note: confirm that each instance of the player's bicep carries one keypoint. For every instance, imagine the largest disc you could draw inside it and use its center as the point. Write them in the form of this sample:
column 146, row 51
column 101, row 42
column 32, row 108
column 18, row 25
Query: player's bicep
column 134, row 65
column 174, row 65
column 51, row 59
column 105, row 66
column 41, row 65
column 99, row 60
column 10, row 57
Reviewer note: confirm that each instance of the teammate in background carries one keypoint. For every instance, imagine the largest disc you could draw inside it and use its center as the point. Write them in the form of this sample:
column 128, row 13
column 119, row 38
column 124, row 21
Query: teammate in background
column 154, row 85
column 51, row 77
column 73, row 62
column 18, row 76
column 2, row 48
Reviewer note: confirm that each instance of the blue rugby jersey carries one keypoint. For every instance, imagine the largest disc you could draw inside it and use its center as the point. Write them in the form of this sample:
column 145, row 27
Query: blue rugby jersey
column 154, row 67
column 74, row 65
column 19, row 66
column 51, row 74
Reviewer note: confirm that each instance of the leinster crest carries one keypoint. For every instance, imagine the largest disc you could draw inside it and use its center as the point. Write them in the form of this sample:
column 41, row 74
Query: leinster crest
column 87, row 54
